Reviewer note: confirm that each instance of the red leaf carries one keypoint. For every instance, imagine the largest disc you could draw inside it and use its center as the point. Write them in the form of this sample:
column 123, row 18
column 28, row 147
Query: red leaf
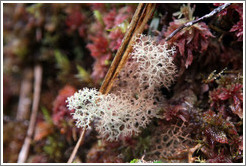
column 181, row 46
column 223, row 95
column 237, row 107
column 189, row 58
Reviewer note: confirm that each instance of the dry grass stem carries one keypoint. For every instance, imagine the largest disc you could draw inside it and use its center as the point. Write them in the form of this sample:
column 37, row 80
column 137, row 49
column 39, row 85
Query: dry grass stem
column 36, row 96
column 139, row 20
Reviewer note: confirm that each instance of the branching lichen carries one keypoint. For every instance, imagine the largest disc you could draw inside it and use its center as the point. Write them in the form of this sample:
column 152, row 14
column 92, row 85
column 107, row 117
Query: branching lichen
column 135, row 98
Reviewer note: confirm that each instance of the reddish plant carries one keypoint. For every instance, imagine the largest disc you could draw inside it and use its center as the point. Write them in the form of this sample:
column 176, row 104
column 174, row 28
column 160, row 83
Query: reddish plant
column 98, row 6
column 109, row 18
column 60, row 111
column 106, row 36
column 61, row 116
column 191, row 40
column 99, row 47
column 101, row 54
column 76, row 21
column 238, row 26
column 231, row 93
column 220, row 158
column 219, row 130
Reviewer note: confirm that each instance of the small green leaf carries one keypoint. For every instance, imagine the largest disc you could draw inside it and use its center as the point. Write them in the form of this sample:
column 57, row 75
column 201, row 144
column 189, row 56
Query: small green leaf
column 123, row 27
column 83, row 75
column 98, row 16
column 34, row 9
column 134, row 161
column 46, row 114
column 107, row 62
column 157, row 161
column 62, row 61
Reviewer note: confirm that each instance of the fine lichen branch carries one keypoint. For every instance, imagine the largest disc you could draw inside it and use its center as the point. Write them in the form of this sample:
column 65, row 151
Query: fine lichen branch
column 190, row 23
column 120, row 114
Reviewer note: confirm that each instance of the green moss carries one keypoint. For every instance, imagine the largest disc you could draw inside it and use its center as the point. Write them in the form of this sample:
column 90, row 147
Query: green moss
column 134, row 161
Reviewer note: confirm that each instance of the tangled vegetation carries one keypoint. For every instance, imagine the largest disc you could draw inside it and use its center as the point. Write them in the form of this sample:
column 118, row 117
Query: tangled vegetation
column 179, row 100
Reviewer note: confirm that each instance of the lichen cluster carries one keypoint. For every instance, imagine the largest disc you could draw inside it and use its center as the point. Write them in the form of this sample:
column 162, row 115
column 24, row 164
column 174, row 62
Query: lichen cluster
column 130, row 107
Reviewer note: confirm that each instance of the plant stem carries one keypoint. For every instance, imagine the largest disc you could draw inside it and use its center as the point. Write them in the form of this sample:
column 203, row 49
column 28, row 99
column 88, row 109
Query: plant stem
column 80, row 141
column 190, row 23
column 36, row 96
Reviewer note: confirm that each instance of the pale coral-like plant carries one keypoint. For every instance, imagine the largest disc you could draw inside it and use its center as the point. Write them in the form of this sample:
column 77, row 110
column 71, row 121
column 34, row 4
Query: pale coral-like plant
column 169, row 141
column 155, row 62
column 86, row 104
column 135, row 97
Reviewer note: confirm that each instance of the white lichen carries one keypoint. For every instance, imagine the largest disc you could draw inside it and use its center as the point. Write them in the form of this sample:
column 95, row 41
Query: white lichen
column 86, row 104
column 135, row 97
column 155, row 62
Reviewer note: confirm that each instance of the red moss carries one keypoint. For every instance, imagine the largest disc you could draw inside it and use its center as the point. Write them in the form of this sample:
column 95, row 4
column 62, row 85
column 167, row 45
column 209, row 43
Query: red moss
column 194, row 39
column 76, row 21
column 233, row 93
column 215, row 135
column 98, row 6
column 116, row 37
column 220, row 158
column 217, row 131
column 172, row 112
column 109, row 18
column 106, row 37
column 99, row 47
column 61, row 116
column 180, row 106
column 237, row 27
column 100, row 68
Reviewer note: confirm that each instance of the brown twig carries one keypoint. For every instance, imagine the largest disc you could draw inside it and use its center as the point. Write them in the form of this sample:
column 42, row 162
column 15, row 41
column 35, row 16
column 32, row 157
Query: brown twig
column 139, row 20
column 36, row 96
column 123, row 46
column 77, row 146
column 190, row 23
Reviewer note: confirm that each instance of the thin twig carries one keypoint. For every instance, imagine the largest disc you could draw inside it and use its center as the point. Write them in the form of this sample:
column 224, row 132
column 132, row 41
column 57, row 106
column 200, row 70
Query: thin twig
column 77, row 146
column 188, row 24
column 36, row 96
column 139, row 20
